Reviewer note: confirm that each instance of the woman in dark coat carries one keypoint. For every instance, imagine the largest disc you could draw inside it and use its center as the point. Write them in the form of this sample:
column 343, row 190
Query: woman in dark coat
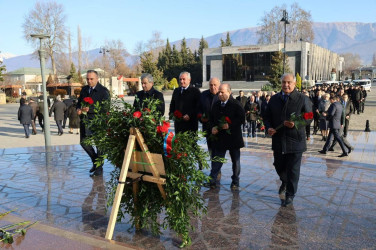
column 74, row 118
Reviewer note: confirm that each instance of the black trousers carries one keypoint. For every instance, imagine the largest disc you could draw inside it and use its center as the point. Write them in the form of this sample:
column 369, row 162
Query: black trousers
column 334, row 134
column 41, row 120
column 89, row 149
column 342, row 135
column 216, row 166
column 346, row 127
column 59, row 126
column 288, row 170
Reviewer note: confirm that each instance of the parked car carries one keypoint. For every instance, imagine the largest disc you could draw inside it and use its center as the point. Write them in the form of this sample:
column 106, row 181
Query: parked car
column 366, row 83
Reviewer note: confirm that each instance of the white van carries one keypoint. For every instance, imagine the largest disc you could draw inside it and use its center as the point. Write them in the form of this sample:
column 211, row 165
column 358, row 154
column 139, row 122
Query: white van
column 366, row 83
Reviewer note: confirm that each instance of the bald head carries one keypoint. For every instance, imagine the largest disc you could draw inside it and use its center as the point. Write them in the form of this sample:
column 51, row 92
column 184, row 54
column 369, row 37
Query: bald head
column 214, row 85
column 224, row 92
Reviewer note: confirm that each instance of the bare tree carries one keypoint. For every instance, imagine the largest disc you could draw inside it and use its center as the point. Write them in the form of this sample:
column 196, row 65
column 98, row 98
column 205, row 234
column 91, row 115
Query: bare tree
column 272, row 29
column 117, row 55
column 47, row 18
column 79, row 41
column 70, row 47
column 352, row 62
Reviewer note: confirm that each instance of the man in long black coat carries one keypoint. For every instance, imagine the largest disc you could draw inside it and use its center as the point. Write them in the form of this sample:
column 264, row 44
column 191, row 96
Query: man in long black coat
column 98, row 93
column 288, row 142
column 149, row 92
column 185, row 100
column 25, row 115
column 59, row 109
column 226, row 118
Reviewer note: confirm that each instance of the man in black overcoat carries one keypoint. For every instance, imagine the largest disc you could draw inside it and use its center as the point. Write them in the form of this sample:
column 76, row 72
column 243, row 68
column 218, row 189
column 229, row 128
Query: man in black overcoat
column 288, row 142
column 226, row 118
column 98, row 93
column 185, row 100
column 149, row 92
column 59, row 109
column 25, row 115
column 68, row 102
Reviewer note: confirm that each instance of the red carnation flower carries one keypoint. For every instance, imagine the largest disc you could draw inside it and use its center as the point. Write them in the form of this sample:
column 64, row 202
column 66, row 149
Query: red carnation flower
column 89, row 100
column 108, row 113
column 137, row 114
column 163, row 128
column 146, row 110
column 308, row 116
column 228, row 120
column 178, row 114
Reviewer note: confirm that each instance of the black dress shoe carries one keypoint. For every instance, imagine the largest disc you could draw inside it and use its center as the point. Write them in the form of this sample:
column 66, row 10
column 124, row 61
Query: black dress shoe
column 343, row 155
column 288, row 202
column 282, row 188
column 331, row 149
column 322, row 152
column 97, row 172
column 350, row 150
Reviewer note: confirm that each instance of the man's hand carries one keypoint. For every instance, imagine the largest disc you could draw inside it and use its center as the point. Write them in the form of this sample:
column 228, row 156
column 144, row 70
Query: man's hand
column 225, row 126
column 79, row 111
column 289, row 124
column 271, row 131
column 84, row 109
column 347, row 117
column 214, row 130
column 186, row 118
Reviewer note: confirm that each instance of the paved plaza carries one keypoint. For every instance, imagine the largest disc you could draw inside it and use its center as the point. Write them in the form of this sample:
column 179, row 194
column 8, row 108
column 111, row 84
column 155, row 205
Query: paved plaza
column 335, row 206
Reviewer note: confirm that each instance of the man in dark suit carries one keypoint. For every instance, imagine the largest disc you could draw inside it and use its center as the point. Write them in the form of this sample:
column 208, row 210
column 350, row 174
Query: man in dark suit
column 98, row 93
column 25, row 115
column 243, row 101
column 59, row 109
column 185, row 100
column 335, row 116
column 348, row 109
column 288, row 142
column 149, row 92
column 363, row 101
column 207, row 100
column 226, row 118
column 252, row 110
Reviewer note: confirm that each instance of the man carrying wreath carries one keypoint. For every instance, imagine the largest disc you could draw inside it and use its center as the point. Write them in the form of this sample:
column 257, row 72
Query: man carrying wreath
column 288, row 140
column 90, row 94
column 226, row 118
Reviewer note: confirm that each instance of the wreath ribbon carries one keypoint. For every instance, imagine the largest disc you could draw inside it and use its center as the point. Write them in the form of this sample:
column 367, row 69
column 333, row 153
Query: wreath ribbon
column 168, row 144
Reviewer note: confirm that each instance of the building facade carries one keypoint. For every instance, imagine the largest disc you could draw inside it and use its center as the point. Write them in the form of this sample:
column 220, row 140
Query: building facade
column 253, row 63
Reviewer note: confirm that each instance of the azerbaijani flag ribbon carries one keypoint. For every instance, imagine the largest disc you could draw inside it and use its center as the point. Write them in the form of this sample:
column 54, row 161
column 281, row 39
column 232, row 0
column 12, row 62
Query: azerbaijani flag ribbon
column 168, row 144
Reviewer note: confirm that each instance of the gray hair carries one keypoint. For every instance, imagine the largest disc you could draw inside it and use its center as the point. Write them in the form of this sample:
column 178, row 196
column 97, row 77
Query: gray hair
column 148, row 76
column 92, row 71
column 58, row 98
column 185, row 72
column 288, row 74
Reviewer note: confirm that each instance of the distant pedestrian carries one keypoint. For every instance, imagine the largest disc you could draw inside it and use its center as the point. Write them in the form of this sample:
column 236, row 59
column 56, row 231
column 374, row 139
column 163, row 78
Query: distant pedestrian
column 74, row 118
column 25, row 115
column 58, row 108
column 40, row 114
column 68, row 102
column 35, row 109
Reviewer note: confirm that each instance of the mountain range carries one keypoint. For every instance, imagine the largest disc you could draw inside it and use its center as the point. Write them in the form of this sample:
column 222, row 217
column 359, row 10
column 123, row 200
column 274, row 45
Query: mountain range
column 340, row 37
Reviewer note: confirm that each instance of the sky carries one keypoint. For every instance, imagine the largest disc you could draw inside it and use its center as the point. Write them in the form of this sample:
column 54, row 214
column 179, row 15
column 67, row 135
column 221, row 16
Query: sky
column 132, row 21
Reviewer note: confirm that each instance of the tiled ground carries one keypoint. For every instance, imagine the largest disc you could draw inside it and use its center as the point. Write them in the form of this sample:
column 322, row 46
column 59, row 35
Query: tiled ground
column 335, row 206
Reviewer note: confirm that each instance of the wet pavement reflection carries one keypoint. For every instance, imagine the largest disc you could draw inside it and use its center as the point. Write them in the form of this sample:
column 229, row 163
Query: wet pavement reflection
column 334, row 207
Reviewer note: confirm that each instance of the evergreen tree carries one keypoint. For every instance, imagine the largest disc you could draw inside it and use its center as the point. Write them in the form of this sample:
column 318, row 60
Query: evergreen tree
column 298, row 81
column 277, row 70
column 149, row 66
column 2, row 68
column 203, row 45
column 73, row 76
column 223, row 44
column 228, row 42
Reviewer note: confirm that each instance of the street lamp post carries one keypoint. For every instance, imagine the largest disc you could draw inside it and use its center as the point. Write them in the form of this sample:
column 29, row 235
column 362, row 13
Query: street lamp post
column 104, row 50
column 47, row 134
column 285, row 20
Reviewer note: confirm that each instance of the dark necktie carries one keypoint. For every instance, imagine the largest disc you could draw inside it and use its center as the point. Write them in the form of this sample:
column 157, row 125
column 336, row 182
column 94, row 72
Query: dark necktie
column 90, row 90
column 182, row 90
column 223, row 104
column 285, row 97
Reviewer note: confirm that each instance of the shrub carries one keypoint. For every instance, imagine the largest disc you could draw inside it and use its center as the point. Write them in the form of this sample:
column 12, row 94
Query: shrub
column 173, row 84
column 61, row 92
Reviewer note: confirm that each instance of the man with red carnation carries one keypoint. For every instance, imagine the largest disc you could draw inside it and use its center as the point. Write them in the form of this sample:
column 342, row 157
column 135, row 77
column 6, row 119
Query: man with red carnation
column 226, row 118
column 184, row 105
column 90, row 94
column 148, row 92
column 288, row 141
